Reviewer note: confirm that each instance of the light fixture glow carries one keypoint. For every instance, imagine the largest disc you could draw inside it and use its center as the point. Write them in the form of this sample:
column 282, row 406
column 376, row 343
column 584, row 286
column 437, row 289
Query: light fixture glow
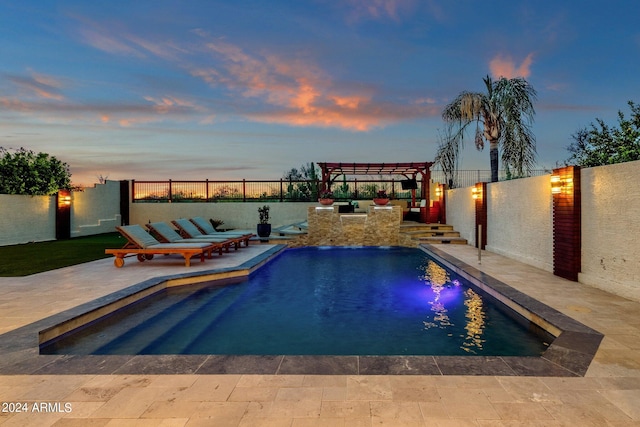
column 476, row 193
column 64, row 198
column 559, row 185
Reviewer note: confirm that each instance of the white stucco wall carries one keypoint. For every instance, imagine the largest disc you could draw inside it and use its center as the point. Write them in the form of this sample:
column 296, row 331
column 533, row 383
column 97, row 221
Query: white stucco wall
column 26, row 219
column 235, row 215
column 520, row 220
column 461, row 213
column 611, row 228
column 96, row 209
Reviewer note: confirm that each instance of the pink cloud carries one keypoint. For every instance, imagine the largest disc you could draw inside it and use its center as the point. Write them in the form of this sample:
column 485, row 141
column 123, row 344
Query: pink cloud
column 289, row 90
column 40, row 85
column 299, row 93
column 109, row 42
column 125, row 115
column 169, row 104
column 114, row 39
column 427, row 100
column 378, row 9
column 350, row 102
column 501, row 66
column 359, row 120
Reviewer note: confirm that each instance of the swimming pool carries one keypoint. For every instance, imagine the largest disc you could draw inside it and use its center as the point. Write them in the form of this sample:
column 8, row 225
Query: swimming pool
column 313, row 301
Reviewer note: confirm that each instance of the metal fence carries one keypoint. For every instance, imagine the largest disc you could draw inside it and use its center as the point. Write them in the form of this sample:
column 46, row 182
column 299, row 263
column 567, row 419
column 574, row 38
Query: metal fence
column 273, row 191
column 467, row 178
column 288, row 191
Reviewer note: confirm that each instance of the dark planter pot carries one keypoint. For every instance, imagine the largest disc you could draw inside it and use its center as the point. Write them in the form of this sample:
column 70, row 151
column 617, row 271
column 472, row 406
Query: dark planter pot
column 264, row 230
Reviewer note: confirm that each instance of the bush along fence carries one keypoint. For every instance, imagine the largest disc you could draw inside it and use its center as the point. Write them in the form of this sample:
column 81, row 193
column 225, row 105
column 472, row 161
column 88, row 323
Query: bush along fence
column 286, row 191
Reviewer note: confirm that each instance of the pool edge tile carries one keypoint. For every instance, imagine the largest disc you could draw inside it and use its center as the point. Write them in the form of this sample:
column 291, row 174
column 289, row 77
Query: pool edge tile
column 319, row 365
column 569, row 355
column 398, row 365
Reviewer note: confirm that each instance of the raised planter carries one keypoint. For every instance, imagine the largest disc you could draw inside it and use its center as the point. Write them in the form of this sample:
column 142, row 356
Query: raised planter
column 325, row 202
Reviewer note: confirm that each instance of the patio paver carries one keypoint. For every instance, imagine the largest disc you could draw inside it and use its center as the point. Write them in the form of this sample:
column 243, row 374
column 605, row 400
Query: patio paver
column 607, row 395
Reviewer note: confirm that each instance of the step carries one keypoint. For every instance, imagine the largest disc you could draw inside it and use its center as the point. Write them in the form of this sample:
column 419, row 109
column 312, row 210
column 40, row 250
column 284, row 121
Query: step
column 432, row 233
column 205, row 313
column 142, row 327
column 442, row 240
column 421, row 227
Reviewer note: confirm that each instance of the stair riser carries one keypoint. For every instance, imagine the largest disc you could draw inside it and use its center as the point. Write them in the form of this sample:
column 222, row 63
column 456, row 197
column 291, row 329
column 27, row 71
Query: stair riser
column 440, row 234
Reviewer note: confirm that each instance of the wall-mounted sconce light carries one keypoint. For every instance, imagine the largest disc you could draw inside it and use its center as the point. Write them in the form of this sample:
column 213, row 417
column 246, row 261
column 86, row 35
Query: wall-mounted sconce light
column 64, row 198
column 63, row 214
column 438, row 191
column 559, row 185
column 476, row 192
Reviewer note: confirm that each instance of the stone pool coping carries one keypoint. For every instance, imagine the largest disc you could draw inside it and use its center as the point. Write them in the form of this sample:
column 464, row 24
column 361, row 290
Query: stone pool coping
column 569, row 355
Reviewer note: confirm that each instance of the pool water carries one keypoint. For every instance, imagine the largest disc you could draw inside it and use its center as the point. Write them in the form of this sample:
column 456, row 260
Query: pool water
column 316, row 301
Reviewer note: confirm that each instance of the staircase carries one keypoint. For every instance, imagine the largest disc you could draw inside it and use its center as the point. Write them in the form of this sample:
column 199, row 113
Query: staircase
column 431, row 233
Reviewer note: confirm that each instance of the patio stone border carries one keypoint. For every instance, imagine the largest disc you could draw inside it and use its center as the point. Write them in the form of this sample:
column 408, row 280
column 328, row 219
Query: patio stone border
column 569, row 355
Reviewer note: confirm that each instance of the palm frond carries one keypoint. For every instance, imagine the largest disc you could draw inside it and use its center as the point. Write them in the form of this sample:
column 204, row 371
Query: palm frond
column 447, row 156
column 506, row 112
column 479, row 140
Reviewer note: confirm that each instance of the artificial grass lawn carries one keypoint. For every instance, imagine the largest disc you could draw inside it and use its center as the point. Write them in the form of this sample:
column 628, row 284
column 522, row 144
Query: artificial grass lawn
column 31, row 258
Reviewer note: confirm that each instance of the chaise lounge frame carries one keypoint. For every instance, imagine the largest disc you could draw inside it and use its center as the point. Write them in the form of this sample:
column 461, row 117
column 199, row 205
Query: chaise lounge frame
column 146, row 249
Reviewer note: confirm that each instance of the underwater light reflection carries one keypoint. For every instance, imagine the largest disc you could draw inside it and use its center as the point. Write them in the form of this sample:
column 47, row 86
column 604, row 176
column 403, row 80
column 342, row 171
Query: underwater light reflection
column 444, row 290
column 475, row 322
column 438, row 279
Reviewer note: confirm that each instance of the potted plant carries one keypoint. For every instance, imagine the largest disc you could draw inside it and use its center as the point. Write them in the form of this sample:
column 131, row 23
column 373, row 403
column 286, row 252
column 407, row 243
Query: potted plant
column 264, row 228
column 326, row 198
column 215, row 223
column 381, row 198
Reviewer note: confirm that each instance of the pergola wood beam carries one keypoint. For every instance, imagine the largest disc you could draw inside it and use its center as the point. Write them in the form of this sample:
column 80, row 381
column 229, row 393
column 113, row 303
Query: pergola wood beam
column 405, row 169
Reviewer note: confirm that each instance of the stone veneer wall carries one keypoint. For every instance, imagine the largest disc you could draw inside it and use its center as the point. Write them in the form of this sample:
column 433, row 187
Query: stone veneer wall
column 380, row 226
column 611, row 228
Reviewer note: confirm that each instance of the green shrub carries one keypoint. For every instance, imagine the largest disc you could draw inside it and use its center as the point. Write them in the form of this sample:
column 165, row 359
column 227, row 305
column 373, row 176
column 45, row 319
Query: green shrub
column 30, row 173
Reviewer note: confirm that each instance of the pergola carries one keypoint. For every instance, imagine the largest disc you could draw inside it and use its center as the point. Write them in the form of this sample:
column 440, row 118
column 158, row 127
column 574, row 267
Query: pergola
column 331, row 171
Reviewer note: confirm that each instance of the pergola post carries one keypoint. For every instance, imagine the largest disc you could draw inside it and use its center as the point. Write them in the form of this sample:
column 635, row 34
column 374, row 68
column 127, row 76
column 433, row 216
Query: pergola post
column 424, row 195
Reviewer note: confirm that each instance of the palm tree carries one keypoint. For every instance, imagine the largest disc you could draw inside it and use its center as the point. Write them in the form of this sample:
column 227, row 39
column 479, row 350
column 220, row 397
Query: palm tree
column 506, row 112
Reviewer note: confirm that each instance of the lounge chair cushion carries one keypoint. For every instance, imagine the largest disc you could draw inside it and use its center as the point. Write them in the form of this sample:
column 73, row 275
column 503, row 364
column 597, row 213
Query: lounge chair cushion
column 169, row 234
column 208, row 228
column 189, row 228
column 204, row 225
column 139, row 236
column 166, row 232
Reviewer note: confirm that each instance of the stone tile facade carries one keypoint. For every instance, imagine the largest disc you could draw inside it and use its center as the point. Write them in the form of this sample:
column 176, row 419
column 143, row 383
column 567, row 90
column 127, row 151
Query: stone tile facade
column 380, row 226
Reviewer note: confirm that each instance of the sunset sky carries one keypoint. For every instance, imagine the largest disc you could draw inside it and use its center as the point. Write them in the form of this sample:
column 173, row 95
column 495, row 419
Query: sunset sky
column 249, row 89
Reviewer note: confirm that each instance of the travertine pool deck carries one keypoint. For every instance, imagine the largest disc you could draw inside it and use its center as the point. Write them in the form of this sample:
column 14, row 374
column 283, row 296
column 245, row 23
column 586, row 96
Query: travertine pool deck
column 148, row 394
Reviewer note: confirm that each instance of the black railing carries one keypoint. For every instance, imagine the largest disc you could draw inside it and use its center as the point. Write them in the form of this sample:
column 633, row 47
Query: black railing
column 467, row 178
column 287, row 191
column 273, row 191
